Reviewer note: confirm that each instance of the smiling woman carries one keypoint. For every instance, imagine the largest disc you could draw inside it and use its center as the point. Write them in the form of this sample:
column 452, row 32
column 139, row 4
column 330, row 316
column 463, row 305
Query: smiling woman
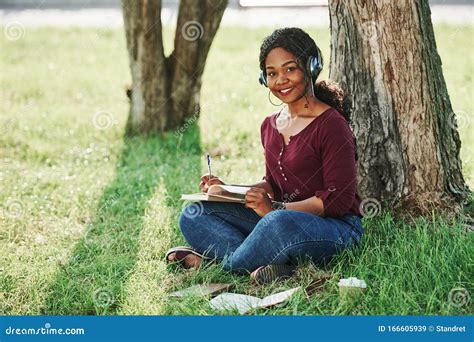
column 307, row 206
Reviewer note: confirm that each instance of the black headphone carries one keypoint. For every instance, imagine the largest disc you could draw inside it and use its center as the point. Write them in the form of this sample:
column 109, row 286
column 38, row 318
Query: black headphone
column 314, row 65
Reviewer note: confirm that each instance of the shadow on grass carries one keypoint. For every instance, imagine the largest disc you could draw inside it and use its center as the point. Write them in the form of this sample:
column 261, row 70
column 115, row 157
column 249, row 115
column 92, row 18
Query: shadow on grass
column 92, row 281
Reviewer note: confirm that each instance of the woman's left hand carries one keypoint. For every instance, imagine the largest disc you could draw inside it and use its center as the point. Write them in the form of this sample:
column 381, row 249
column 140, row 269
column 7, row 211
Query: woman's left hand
column 258, row 200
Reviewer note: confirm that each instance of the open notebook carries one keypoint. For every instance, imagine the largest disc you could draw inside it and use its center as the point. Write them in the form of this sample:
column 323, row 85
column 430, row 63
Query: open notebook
column 244, row 303
column 220, row 193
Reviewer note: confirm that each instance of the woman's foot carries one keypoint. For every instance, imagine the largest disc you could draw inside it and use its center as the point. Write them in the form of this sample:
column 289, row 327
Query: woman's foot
column 187, row 256
column 188, row 261
column 270, row 273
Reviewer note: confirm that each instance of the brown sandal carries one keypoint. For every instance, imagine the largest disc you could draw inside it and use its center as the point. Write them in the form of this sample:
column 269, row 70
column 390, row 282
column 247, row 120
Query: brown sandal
column 181, row 252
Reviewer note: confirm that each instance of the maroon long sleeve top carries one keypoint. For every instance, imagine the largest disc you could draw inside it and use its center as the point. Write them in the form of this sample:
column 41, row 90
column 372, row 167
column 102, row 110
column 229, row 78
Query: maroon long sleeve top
column 318, row 161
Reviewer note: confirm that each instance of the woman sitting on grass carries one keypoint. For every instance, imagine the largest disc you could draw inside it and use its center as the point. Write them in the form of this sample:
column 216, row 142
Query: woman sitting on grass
column 307, row 205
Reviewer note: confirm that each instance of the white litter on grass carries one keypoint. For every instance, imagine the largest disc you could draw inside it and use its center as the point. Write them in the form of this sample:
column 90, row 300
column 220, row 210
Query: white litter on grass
column 352, row 282
column 244, row 303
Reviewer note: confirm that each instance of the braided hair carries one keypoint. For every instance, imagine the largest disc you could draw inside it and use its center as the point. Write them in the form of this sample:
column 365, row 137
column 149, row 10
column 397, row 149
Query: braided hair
column 299, row 43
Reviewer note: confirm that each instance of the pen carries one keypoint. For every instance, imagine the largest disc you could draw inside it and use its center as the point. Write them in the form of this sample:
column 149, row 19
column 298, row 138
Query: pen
column 209, row 165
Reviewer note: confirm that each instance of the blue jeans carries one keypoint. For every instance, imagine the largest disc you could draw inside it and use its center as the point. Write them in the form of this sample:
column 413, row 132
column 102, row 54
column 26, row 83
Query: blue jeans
column 244, row 241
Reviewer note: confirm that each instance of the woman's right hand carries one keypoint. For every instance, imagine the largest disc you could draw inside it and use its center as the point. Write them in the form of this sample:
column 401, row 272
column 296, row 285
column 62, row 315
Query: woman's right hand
column 206, row 182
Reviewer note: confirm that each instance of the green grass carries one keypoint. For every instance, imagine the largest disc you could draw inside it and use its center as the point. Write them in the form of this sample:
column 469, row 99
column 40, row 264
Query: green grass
column 86, row 215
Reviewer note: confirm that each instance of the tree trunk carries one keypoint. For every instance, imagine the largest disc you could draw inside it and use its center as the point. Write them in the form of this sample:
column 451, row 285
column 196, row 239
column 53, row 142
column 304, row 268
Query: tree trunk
column 166, row 90
column 384, row 55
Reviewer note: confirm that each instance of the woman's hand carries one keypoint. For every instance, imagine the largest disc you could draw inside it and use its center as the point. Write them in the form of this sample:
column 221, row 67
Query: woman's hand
column 206, row 182
column 258, row 200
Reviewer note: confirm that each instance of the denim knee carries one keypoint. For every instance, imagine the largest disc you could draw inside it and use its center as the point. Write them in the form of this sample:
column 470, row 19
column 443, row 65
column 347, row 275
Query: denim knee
column 189, row 215
column 278, row 224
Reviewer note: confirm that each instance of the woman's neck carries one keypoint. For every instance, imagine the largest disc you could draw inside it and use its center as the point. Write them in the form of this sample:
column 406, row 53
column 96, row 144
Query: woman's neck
column 306, row 106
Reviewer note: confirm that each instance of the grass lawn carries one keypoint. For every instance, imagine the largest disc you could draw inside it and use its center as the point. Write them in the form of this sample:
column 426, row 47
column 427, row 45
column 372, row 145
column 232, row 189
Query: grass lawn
column 86, row 215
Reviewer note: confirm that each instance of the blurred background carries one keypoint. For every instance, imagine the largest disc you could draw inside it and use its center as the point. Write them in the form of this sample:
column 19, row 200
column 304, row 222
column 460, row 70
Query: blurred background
column 249, row 13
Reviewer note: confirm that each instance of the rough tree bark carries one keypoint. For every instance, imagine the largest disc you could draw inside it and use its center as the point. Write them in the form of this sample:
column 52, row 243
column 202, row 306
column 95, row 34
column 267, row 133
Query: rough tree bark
column 384, row 55
column 166, row 90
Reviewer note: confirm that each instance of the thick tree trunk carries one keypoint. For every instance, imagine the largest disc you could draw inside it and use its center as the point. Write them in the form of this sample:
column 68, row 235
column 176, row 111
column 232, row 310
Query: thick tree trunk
column 165, row 90
column 384, row 55
column 142, row 22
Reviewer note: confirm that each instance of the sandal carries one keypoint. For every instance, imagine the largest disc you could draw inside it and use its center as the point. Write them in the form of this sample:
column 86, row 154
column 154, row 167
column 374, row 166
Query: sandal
column 181, row 252
column 270, row 273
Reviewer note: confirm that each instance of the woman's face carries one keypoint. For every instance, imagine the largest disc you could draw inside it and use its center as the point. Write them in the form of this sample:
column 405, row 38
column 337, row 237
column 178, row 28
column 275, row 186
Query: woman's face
column 285, row 78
